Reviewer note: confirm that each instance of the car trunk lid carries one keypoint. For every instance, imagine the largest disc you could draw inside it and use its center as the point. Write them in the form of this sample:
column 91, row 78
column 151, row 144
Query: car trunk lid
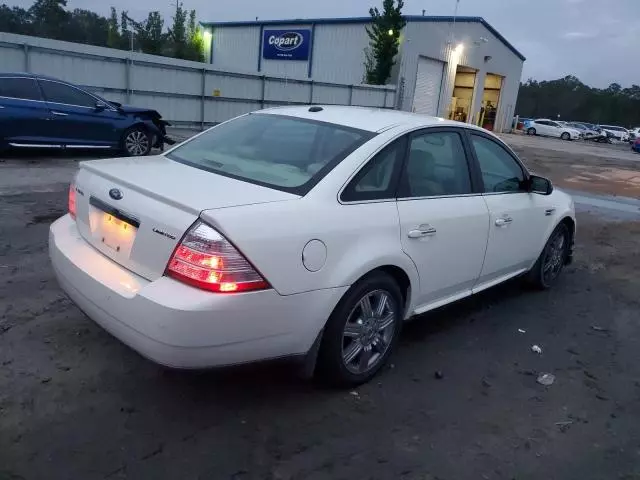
column 136, row 210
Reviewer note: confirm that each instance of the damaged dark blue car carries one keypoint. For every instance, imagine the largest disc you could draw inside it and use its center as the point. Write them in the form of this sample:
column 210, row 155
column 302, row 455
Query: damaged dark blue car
column 42, row 112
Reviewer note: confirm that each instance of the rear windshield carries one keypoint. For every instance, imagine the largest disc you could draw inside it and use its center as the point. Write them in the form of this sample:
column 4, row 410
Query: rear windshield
column 285, row 153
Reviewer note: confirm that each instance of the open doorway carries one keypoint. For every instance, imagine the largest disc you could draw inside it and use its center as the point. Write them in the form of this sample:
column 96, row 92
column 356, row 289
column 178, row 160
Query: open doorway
column 462, row 99
column 490, row 101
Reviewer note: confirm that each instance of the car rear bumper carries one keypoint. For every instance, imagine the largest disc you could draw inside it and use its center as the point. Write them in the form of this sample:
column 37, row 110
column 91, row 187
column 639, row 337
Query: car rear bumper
column 180, row 326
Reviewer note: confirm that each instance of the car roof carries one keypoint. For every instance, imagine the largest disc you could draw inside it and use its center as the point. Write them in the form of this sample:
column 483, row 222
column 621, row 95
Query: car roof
column 364, row 118
column 29, row 75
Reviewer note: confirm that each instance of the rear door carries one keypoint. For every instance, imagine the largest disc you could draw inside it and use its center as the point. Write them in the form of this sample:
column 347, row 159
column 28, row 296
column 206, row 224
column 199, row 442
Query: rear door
column 444, row 221
column 24, row 117
column 76, row 120
column 543, row 128
column 518, row 218
column 555, row 129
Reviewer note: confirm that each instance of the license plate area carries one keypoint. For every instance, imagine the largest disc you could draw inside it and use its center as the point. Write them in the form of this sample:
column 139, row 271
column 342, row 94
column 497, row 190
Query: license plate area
column 112, row 227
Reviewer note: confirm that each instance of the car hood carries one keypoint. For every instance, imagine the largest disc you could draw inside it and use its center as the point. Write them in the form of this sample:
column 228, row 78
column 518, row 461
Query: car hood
column 132, row 109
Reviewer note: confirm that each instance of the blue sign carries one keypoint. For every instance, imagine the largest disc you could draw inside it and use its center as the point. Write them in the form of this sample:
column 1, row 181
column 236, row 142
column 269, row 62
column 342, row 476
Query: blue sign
column 286, row 44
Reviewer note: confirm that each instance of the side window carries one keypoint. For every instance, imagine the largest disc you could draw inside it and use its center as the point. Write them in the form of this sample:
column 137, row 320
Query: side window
column 59, row 93
column 500, row 171
column 22, row 88
column 436, row 166
column 376, row 180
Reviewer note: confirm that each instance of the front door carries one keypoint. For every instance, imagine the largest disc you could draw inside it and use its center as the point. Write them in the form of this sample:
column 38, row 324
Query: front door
column 75, row 119
column 517, row 218
column 444, row 222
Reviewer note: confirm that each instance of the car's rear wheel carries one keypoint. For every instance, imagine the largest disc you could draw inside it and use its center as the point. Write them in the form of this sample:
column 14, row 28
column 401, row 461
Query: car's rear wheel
column 531, row 131
column 552, row 259
column 565, row 136
column 361, row 332
column 136, row 142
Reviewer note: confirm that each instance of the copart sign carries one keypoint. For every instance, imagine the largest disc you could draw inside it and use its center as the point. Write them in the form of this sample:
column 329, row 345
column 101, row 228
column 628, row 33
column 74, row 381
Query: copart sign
column 286, row 44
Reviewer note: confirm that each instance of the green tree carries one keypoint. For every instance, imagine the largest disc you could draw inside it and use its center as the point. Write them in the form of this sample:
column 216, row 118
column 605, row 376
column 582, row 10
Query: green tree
column 384, row 34
column 195, row 40
column 114, row 40
column 15, row 20
column 50, row 19
column 148, row 34
column 178, row 32
column 573, row 100
column 87, row 27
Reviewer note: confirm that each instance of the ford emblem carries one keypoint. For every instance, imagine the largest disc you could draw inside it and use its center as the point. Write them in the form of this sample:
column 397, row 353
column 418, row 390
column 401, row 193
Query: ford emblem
column 115, row 194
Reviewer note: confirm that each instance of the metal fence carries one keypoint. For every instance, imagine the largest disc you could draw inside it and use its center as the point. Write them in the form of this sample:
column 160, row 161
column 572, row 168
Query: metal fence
column 186, row 93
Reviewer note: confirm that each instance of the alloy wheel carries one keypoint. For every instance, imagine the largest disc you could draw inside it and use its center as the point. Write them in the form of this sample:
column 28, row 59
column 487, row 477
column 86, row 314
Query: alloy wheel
column 368, row 331
column 136, row 143
column 554, row 258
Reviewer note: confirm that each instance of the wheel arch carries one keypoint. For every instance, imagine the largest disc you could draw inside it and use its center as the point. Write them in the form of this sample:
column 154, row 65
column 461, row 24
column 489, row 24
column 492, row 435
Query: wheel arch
column 406, row 278
column 570, row 223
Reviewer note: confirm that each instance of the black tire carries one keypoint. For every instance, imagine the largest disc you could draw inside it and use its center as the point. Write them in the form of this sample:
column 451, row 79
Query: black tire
column 331, row 367
column 543, row 276
column 531, row 131
column 136, row 142
column 565, row 136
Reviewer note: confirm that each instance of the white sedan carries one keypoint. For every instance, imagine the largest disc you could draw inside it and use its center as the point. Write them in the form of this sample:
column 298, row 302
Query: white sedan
column 303, row 232
column 550, row 128
column 618, row 133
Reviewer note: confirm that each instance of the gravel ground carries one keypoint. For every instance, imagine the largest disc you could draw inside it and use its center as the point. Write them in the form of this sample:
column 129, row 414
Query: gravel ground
column 77, row 404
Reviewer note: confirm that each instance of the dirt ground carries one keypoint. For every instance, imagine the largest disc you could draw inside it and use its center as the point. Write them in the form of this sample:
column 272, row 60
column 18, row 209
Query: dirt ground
column 591, row 167
column 77, row 404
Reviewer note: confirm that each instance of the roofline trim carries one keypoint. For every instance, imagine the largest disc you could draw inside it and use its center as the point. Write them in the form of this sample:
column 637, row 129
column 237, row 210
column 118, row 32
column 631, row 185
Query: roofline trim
column 352, row 20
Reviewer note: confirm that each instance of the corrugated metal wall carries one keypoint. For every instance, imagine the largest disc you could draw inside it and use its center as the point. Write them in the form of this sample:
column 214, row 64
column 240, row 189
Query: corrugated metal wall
column 185, row 93
column 338, row 52
column 338, row 56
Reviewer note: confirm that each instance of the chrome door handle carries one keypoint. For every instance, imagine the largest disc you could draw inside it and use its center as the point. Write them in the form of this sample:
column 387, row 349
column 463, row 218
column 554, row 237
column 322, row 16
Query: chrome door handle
column 60, row 114
column 422, row 231
column 503, row 221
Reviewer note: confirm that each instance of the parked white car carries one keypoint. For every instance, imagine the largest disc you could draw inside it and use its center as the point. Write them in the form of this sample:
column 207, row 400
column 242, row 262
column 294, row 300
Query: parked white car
column 304, row 232
column 634, row 133
column 551, row 128
column 618, row 133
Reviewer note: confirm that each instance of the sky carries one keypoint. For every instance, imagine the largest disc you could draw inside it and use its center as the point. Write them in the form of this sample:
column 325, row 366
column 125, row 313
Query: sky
column 595, row 40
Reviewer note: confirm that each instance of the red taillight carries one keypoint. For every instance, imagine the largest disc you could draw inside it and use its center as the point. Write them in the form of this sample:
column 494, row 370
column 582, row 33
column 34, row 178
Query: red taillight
column 207, row 260
column 72, row 201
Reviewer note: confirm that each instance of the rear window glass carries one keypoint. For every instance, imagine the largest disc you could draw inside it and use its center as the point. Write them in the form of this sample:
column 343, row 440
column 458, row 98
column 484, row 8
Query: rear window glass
column 23, row 88
column 285, row 153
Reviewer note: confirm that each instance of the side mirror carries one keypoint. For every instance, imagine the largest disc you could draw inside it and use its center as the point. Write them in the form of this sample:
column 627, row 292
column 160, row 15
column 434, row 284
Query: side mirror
column 540, row 185
column 100, row 107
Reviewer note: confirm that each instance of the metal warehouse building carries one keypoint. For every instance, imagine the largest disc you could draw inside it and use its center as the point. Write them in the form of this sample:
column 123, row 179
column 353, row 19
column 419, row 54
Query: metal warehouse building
column 459, row 68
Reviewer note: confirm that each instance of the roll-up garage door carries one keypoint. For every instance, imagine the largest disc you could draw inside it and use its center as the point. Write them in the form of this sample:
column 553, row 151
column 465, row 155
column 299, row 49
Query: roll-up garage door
column 428, row 82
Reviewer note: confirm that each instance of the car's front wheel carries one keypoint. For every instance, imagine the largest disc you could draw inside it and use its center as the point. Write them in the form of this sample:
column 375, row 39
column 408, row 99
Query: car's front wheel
column 136, row 142
column 362, row 331
column 531, row 131
column 552, row 259
column 565, row 136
